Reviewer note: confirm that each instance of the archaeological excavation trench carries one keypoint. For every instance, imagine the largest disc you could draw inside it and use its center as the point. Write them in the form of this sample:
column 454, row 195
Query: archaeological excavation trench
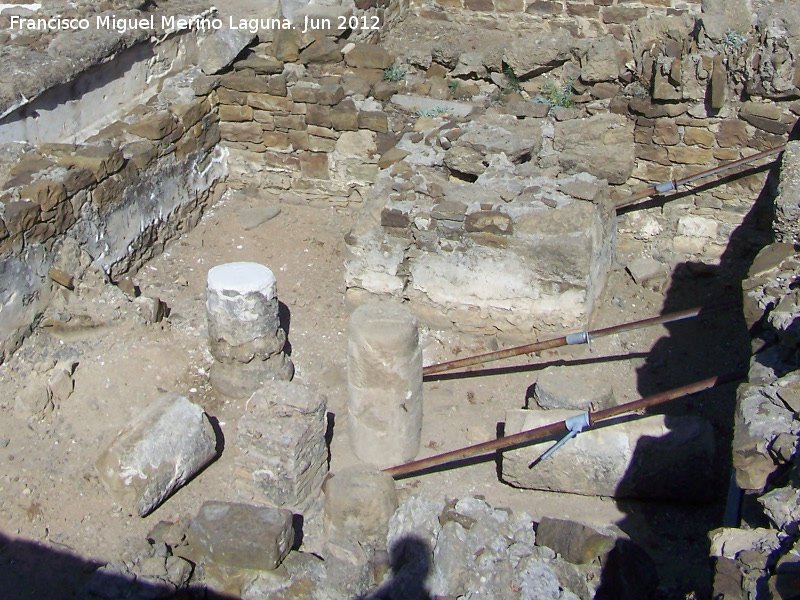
column 475, row 299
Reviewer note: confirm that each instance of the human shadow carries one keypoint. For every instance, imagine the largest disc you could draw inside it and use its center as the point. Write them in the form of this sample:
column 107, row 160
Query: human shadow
column 33, row 571
column 410, row 563
column 717, row 343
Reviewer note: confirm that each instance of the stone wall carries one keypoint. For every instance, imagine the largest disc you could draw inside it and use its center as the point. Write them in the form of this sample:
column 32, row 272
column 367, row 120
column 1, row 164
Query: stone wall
column 294, row 110
column 119, row 196
column 601, row 15
column 760, row 559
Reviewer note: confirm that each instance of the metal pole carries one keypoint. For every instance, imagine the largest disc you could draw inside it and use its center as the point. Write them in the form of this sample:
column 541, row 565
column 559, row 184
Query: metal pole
column 560, row 427
column 674, row 184
column 562, row 341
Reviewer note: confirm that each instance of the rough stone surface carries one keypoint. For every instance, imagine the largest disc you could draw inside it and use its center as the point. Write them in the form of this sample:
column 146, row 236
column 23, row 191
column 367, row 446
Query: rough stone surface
column 219, row 49
column 281, row 438
column 384, row 379
column 533, row 55
column 613, row 132
column 359, row 502
column 720, row 16
column 642, row 458
column 167, row 443
column 243, row 536
column 576, row 542
column 787, row 204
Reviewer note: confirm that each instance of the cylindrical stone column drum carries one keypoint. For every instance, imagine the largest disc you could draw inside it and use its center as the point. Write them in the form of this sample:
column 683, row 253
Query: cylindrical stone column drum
column 384, row 378
column 244, row 331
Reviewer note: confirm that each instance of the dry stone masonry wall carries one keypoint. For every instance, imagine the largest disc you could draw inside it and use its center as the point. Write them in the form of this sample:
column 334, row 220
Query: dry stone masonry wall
column 761, row 558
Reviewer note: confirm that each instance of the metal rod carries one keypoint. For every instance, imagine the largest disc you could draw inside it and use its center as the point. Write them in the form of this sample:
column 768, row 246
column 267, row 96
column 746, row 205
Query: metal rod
column 674, row 184
column 561, row 341
column 560, row 427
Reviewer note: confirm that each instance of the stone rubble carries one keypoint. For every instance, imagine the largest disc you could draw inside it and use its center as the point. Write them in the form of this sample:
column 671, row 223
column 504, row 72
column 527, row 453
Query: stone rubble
column 753, row 561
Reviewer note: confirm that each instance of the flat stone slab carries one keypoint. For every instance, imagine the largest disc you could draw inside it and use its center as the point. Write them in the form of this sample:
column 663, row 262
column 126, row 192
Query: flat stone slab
column 424, row 105
column 250, row 218
column 164, row 446
column 243, row 536
column 656, row 457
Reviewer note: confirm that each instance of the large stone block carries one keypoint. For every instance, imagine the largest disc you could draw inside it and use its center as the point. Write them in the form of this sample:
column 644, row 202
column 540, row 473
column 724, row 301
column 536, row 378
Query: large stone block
column 281, row 438
column 577, row 142
column 535, row 54
column 359, row 502
column 218, row 50
column 243, row 536
column 165, row 445
column 531, row 256
column 655, row 457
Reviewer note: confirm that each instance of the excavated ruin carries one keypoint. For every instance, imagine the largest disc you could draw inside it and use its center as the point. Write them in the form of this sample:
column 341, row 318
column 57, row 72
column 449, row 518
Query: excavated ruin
column 231, row 237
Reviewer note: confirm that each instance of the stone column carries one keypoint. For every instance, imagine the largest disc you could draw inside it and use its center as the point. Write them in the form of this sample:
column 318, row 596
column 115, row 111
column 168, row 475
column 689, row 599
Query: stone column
column 384, row 380
column 359, row 502
column 244, row 331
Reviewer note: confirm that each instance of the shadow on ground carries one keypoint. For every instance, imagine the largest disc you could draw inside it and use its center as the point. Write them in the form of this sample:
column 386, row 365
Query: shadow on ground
column 716, row 343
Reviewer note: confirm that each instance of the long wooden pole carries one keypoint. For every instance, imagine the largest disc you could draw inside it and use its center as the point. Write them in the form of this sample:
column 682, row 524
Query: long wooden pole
column 560, row 427
column 479, row 359
column 669, row 186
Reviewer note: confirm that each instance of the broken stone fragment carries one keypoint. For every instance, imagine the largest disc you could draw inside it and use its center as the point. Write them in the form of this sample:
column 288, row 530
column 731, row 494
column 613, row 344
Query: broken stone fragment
column 241, row 535
column 61, row 383
column 35, row 401
column 645, row 270
column 152, row 310
column 60, row 277
column 576, row 542
column 218, row 50
column 164, row 446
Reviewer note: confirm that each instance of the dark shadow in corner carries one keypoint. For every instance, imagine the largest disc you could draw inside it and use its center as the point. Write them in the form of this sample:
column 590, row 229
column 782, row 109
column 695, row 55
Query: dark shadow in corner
column 33, row 571
column 410, row 560
column 715, row 344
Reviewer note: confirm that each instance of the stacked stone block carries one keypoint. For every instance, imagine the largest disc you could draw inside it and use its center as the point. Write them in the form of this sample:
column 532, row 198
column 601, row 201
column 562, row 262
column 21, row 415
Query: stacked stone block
column 359, row 503
column 282, row 130
column 244, row 329
column 605, row 14
column 283, row 457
